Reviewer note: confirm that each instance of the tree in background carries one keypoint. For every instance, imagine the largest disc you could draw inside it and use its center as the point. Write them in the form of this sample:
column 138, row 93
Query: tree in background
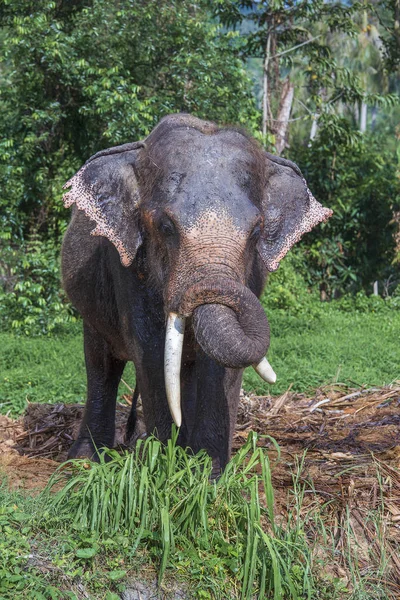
column 322, row 65
column 301, row 47
column 80, row 76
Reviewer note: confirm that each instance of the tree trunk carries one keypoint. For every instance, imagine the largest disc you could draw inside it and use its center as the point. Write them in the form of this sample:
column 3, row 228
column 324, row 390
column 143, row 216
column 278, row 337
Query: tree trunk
column 265, row 87
column 357, row 112
column 314, row 127
column 363, row 117
column 282, row 123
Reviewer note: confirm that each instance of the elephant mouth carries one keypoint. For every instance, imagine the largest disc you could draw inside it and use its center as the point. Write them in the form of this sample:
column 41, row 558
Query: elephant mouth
column 229, row 325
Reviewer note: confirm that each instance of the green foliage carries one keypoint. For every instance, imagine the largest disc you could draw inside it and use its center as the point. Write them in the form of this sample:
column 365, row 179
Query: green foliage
column 361, row 303
column 161, row 497
column 287, row 288
column 389, row 15
column 20, row 573
column 60, row 101
column 31, row 301
column 359, row 182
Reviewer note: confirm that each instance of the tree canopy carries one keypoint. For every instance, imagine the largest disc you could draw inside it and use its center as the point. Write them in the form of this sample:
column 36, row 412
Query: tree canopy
column 317, row 81
column 84, row 75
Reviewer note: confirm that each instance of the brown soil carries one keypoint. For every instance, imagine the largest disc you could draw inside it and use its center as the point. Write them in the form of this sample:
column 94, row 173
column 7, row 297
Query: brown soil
column 348, row 440
column 345, row 434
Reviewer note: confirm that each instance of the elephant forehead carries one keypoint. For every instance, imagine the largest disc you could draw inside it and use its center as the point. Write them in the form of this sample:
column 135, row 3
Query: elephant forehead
column 202, row 175
column 204, row 153
column 187, row 148
column 213, row 206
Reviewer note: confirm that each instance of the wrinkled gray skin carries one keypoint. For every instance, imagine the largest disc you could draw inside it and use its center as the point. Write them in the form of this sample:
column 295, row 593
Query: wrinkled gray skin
column 189, row 221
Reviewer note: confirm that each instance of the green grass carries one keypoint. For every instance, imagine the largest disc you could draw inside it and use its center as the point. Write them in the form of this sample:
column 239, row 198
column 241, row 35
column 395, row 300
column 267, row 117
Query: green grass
column 44, row 369
column 317, row 346
column 327, row 345
column 155, row 511
column 162, row 499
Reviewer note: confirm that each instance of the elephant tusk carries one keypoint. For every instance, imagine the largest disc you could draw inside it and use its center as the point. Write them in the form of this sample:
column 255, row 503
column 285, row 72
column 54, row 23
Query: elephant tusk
column 172, row 364
column 265, row 371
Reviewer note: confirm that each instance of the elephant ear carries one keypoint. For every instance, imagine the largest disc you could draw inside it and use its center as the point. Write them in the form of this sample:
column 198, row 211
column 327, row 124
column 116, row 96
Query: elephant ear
column 107, row 191
column 289, row 208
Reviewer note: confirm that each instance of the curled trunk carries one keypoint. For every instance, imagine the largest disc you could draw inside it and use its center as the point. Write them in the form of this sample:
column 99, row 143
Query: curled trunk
column 229, row 322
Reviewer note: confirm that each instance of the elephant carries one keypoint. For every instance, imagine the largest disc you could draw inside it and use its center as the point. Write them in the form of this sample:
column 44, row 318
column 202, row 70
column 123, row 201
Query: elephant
column 168, row 250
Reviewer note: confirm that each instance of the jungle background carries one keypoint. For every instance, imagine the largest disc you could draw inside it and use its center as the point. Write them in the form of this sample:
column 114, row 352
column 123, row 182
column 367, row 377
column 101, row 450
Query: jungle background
column 315, row 81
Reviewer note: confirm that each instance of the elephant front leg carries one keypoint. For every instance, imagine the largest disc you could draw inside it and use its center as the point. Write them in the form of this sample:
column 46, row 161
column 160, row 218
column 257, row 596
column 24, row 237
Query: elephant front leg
column 150, row 379
column 151, row 382
column 218, row 392
column 104, row 372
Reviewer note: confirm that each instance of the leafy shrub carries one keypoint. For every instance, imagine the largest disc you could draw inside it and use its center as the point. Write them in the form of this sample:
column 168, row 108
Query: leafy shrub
column 287, row 288
column 359, row 182
column 31, row 301
column 362, row 303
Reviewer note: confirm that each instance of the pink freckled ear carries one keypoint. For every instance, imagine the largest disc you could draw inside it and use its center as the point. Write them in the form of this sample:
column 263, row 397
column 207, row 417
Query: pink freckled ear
column 100, row 230
column 290, row 211
column 106, row 190
column 68, row 199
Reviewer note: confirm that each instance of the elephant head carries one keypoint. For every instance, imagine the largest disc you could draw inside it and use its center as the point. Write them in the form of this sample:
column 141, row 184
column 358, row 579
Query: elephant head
column 215, row 213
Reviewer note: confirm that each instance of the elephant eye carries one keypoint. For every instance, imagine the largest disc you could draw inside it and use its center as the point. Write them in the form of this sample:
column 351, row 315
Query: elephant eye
column 166, row 226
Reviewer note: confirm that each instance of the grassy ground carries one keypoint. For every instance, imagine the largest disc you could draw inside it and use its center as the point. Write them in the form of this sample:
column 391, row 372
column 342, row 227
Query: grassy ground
column 307, row 350
column 210, row 541
column 154, row 514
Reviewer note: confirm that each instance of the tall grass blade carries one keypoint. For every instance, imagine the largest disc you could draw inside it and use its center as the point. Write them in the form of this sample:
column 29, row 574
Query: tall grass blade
column 162, row 498
column 166, row 540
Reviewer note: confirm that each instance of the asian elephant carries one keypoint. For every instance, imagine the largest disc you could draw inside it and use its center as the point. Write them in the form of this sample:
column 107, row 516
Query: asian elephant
column 169, row 246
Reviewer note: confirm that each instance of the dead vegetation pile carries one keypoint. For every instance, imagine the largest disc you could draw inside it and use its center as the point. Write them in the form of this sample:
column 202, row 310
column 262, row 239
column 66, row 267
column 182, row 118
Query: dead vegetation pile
column 347, row 442
column 341, row 445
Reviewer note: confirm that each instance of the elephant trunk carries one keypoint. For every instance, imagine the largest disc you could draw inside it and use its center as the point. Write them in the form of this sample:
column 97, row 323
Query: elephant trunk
column 230, row 326
column 235, row 338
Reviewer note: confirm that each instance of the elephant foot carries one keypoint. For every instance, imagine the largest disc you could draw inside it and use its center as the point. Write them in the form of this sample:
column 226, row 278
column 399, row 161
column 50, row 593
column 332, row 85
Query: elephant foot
column 85, row 448
column 216, row 471
column 130, row 427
